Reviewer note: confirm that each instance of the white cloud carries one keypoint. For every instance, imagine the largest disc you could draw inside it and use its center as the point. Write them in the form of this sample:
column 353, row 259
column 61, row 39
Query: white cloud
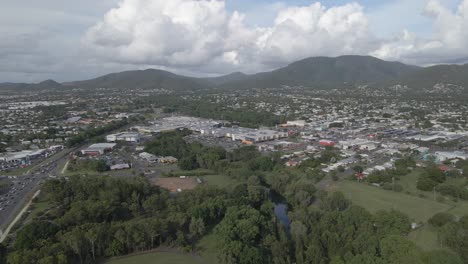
column 313, row 30
column 447, row 42
column 162, row 32
column 202, row 33
column 206, row 37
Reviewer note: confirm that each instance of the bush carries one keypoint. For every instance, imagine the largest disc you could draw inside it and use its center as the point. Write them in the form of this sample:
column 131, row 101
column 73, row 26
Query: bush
column 448, row 189
column 440, row 219
column 425, row 184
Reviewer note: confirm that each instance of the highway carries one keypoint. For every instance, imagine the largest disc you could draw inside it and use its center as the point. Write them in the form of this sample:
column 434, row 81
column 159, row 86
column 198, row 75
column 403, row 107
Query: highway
column 24, row 186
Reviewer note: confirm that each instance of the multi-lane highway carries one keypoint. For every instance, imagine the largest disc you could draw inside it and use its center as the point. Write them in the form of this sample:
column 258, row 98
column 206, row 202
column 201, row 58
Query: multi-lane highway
column 24, row 186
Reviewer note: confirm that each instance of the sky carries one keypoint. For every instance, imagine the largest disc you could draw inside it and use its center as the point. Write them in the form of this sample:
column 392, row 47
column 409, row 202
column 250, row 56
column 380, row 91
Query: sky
column 76, row 40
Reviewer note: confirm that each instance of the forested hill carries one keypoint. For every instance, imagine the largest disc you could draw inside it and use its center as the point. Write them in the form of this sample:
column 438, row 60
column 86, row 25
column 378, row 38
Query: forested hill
column 314, row 73
column 328, row 72
column 145, row 79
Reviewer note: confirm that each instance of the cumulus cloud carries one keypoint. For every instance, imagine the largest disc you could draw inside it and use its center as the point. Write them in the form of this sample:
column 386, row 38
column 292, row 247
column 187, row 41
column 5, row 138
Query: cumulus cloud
column 447, row 43
column 314, row 30
column 202, row 33
column 208, row 37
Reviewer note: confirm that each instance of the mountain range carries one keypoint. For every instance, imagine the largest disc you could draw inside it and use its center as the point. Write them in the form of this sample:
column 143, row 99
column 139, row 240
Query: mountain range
column 315, row 73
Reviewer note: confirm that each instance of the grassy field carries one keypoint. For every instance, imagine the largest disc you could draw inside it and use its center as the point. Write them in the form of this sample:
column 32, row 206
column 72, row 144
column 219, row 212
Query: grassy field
column 218, row 180
column 207, row 249
column 197, row 172
column 425, row 237
column 374, row 199
column 417, row 208
column 159, row 258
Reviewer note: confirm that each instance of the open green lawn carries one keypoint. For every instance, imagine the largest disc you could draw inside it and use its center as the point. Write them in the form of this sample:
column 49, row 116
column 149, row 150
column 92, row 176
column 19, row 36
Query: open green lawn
column 425, row 237
column 374, row 199
column 159, row 258
column 419, row 209
column 207, row 249
column 218, row 180
column 197, row 172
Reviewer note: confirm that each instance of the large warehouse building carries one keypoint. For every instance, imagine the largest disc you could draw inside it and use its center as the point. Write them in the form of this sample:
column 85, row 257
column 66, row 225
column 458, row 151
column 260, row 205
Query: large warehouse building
column 127, row 137
column 98, row 149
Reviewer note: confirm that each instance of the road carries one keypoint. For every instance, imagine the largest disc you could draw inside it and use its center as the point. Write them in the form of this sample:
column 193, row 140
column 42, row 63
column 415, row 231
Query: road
column 24, row 186
column 4, row 234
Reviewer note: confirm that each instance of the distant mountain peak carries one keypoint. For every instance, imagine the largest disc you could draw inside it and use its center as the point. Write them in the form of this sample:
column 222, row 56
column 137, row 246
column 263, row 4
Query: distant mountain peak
column 49, row 82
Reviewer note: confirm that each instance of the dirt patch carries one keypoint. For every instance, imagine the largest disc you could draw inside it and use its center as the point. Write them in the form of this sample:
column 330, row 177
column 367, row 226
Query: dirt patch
column 174, row 184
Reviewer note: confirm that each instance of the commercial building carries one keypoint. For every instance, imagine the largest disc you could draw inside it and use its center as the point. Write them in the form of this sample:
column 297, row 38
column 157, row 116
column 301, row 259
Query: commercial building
column 22, row 156
column 98, row 149
column 250, row 136
column 127, row 137
column 443, row 156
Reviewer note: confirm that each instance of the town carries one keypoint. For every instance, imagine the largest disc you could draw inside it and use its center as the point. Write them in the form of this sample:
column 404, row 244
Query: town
column 234, row 132
column 379, row 147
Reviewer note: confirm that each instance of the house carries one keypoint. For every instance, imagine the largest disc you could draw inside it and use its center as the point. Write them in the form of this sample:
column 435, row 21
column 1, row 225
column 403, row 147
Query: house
column 167, row 160
column 292, row 163
column 148, row 157
column 326, row 143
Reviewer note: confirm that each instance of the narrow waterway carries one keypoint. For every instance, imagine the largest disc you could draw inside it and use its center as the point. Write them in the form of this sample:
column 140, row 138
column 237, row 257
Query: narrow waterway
column 281, row 212
column 281, row 209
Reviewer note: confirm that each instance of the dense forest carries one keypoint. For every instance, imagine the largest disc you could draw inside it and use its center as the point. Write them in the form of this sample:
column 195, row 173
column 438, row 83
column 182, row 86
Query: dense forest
column 94, row 218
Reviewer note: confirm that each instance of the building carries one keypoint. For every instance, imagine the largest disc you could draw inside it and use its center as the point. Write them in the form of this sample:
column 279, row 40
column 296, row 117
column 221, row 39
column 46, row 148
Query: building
column 123, row 166
column 148, row 157
column 443, row 156
column 167, row 160
column 24, row 156
column 126, row 137
column 98, row 149
column 296, row 123
column 250, row 136
column 326, row 143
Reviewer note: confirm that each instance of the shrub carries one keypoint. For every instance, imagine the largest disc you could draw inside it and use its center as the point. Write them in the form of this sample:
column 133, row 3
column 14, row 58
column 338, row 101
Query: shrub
column 440, row 219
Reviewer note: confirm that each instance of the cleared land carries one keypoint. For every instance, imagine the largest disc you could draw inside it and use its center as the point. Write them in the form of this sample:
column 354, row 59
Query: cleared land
column 159, row 258
column 173, row 184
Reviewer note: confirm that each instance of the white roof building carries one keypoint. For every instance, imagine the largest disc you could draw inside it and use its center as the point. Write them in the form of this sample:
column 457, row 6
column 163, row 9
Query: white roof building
column 126, row 136
column 98, row 149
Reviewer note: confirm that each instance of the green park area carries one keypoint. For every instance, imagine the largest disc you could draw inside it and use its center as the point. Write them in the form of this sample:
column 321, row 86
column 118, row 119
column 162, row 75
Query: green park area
column 375, row 199
column 159, row 258
column 205, row 253
column 418, row 205
column 218, row 180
